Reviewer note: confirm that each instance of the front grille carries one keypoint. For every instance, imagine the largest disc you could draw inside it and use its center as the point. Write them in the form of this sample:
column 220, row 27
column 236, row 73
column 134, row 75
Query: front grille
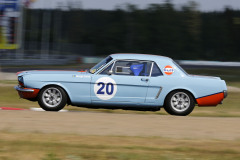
column 21, row 81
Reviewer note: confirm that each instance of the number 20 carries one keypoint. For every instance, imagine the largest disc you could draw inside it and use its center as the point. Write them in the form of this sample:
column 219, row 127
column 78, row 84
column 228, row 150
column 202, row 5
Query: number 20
column 108, row 91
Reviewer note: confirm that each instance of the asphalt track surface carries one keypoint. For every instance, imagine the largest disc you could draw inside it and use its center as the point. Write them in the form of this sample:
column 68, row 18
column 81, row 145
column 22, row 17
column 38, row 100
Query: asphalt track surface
column 104, row 124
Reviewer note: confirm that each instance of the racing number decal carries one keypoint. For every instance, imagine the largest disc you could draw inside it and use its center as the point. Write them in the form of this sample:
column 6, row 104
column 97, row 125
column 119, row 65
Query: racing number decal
column 105, row 88
column 100, row 91
column 111, row 89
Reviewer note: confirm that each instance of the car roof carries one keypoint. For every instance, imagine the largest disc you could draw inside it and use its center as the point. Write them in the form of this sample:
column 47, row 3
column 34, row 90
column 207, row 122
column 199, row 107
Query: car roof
column 138, row 56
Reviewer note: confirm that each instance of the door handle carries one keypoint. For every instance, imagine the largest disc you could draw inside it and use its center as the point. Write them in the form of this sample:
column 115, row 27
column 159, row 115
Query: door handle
column 144, row 79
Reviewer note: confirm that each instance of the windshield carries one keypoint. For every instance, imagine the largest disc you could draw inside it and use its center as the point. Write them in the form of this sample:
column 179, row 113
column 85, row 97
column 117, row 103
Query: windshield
column 100, row 64
column 180, row 67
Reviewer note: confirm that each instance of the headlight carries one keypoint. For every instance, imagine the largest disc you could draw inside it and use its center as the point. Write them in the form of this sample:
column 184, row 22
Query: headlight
column 20, row 81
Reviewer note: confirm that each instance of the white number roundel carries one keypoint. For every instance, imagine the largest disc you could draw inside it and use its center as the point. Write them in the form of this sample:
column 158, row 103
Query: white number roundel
column 105, row 88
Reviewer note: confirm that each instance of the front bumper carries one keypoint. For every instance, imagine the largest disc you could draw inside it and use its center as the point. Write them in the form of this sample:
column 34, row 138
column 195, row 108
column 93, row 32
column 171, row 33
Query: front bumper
column 27, row 93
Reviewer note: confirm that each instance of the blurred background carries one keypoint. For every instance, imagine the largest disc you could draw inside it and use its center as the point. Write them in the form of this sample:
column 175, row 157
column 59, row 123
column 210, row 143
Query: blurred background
column 203, row 36
column 38, row 31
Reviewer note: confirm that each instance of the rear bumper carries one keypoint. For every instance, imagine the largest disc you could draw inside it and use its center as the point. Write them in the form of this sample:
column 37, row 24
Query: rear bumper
column 212, row 100
column 225, row 93
column 27, row 93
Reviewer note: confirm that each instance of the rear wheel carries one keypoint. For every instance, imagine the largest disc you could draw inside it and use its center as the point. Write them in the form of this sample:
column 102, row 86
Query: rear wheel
column 52, row 98
column 179, row 103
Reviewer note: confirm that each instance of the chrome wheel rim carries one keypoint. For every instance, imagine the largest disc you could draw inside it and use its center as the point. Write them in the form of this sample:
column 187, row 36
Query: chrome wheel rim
column 180, row 101
column 52, row 97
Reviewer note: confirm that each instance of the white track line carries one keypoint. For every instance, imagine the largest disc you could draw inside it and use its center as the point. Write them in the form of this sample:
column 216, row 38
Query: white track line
column 41, row 110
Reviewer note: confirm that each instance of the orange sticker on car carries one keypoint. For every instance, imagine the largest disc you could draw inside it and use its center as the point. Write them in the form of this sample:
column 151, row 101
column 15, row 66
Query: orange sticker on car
column 168, row 70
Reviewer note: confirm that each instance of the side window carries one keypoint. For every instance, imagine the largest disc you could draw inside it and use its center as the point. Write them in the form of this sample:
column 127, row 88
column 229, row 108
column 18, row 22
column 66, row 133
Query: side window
column 156, row 71
column 105, row 71
column 122, row 68
column 132, row 68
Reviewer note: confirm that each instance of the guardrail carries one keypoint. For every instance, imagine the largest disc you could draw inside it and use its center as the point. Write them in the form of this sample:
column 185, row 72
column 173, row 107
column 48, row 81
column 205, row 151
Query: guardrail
column 86, row 60
column 208, row 63
column 32, row 62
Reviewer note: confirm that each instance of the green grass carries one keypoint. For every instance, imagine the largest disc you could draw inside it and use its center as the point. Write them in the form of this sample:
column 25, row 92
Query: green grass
column 9, row 82
column 9, row 98
column 229, row 108
column 76, row 147
column 235, row 84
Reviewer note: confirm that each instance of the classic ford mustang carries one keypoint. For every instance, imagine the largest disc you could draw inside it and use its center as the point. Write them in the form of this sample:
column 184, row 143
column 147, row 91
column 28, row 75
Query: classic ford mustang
column 127, row 81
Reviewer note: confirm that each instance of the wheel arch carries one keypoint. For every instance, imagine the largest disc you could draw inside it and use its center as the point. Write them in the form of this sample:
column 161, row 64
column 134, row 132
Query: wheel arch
column 181, row 89
column 60, row 86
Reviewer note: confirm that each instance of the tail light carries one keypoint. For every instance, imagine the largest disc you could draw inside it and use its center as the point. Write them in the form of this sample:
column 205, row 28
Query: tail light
column 225, row 93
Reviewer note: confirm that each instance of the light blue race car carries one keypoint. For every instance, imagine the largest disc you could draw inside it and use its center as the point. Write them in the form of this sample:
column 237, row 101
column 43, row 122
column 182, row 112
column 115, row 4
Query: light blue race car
column 126, row 81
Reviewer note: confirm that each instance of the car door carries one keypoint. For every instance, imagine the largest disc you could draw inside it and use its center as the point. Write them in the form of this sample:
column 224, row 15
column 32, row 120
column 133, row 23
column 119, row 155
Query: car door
column 127, row 82
column 156, row 84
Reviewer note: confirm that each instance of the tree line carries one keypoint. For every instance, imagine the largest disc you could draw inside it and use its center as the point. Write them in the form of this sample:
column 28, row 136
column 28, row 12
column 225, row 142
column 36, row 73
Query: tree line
column 159, row 29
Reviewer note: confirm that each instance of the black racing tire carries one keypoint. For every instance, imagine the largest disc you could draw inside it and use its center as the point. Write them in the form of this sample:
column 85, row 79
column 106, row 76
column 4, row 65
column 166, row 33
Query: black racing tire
column 52, row 98
column 179, row 103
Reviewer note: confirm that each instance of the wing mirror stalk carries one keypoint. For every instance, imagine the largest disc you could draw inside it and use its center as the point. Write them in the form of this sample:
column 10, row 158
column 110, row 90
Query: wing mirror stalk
column 110, row 72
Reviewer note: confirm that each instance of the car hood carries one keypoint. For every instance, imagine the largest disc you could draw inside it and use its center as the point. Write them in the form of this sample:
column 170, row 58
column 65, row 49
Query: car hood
column 40, row 78
column 81, row 72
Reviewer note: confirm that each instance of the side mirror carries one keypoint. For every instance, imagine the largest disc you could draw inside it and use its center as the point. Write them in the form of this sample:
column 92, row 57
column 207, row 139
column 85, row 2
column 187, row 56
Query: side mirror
column 110, row 72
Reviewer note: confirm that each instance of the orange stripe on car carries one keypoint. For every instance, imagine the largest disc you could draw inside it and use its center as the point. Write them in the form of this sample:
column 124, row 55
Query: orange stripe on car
column 211, row 100
column 82, row 71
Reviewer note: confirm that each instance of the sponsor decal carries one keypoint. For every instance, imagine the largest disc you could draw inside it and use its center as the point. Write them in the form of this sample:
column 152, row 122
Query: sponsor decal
column 168, row 70
column 80, row 76
column 105, row 88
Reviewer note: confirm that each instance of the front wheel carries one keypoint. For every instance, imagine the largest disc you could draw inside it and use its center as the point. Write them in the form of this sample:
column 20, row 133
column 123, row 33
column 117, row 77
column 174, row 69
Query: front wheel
column 52, row 98
column 179, row 103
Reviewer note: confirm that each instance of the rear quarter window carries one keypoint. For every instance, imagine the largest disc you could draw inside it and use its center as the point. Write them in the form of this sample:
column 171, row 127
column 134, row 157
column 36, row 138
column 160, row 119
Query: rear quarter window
column 156, row 71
